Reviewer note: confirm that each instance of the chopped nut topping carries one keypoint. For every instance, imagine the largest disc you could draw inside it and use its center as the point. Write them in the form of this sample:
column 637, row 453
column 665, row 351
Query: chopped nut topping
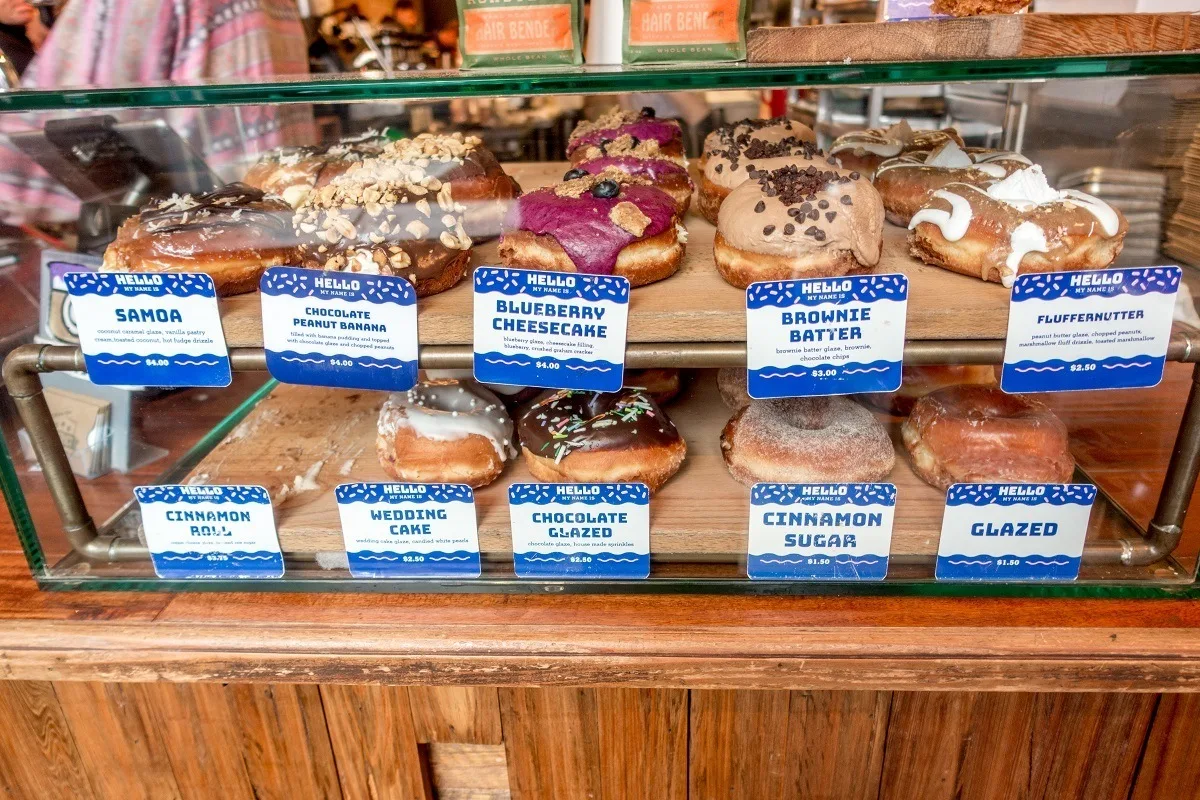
column 417, row 228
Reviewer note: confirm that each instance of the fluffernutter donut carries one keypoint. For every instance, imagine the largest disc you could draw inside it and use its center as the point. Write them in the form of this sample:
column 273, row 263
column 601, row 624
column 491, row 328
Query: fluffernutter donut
column 920, row 381
column 865, row 150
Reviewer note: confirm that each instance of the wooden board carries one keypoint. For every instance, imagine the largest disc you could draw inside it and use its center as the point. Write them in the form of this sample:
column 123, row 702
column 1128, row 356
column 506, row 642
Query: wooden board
column 1003, row 36
column 695, row 304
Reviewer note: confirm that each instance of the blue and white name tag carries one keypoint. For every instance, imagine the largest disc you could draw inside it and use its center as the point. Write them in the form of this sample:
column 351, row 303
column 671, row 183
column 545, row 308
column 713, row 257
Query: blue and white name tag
column 409, row 530
column 826, row 335
column 1014, row 531
column 555, row 330
column 149, row 329
column 820, row 531
column 1095, row 329
column 580, row 530
column 348, row 330
column 210, row 531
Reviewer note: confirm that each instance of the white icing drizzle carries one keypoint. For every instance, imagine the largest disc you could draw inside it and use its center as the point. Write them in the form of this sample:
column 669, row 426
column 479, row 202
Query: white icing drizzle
column 447, row 411
column 1026, row 238
column 1024, row 189
column 1105, row 214
column 885, row 143
column 953, row 223
column 466, row 374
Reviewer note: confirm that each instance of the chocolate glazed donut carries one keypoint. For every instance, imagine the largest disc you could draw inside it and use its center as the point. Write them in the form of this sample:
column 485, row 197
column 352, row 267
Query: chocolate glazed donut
column 586, row 437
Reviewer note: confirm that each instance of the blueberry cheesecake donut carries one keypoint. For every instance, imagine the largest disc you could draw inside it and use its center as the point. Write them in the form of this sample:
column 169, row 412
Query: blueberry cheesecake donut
column 589, row 437
column 641, row 160
column 775, row 129
column 907, row 182
column 444, row 431
column 644, row 125
column 603, row 224
column 1014, row 226
column 920, row 381
column 865, row 150
column 385, row 217
column 799, row 223
column 231, row 234
column 745, row 157
column 806, row 440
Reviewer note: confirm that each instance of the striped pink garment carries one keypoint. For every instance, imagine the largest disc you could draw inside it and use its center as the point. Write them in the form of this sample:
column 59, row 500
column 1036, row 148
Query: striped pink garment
column 104, row 43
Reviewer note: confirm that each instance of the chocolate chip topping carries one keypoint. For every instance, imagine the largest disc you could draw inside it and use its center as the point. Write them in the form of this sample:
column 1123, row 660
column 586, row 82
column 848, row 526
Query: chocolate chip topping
column 760, row 207
column 767, row 231
column 824, row 204
column 829, row 215
column 720, row 168
column 846, row 201
column 794, row 185
column 789, row 229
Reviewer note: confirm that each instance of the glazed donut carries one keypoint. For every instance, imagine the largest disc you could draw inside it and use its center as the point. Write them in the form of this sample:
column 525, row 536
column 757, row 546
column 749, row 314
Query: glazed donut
column 920, row 381
column 1015, row 226
column 979, row 434
column 641, row 160
column 511, row 396
column 586, row 437
column 729, row 168
column 907, row 182
column 444, row 431
column 731, row 383
column 385, row 217
column 604, row 224
column 231, row 234
column 865, row 150
column 292, row 172
column 663, row 385
column 643, row 125
column 775, row 129
column 806, row 440
column 793, row 223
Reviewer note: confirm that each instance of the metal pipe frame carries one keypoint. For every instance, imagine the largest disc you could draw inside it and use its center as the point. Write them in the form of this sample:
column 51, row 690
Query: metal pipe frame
column 24, row 364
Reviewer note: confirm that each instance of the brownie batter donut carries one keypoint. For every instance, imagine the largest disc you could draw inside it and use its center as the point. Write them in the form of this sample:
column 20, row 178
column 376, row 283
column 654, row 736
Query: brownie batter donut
column 793, row 223
column 644, row 125
column 604, row 224
column 729, row 168
column 1015, row 226
column 907, row 182
column 641, row 160
column 231, row 234
column 920, row 381
column 587, row 437
column 979, row 434
column 775, row 129
column 865, row 150
column 444, row 431
column 807, row 440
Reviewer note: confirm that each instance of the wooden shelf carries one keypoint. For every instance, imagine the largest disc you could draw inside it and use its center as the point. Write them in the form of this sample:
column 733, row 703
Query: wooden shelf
column 695, row 304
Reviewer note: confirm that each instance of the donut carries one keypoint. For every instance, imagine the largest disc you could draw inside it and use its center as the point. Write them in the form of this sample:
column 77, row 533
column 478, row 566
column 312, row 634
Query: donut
column 979, row 434
column 975, row 8
column 1015, row 226
column 920, row 381
column 444, row 431
column 732, row 166
column 663, row 385
column 292, row 172
column 865, row 150
column 906, row 182
column 641, row 160
column 603, row 224
column 731, row 383
column 644, row 125
column 775, row 129
column 231, row 234
column 793, row 223
column 588, row 437
column 511, row 396
column 806, row 440
column 382, row 216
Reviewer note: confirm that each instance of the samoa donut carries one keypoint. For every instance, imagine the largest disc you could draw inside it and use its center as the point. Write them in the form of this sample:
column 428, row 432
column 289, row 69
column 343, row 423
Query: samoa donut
column 807, row 440
column 865, row 150
column 603, row 224
column 775, row 129
column 1015, row 226
column 231, row 234
column 587, row 437
column 979, row 434
column 794, row 223
column 444, row 431
column 744, row 158
column 920, row 381
column 644, row 125
column 731, row 383
column 908, row 181
column 641, row 160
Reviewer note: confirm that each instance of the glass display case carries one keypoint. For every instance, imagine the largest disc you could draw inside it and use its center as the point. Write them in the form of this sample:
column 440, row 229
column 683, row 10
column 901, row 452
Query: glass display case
column 86, row 162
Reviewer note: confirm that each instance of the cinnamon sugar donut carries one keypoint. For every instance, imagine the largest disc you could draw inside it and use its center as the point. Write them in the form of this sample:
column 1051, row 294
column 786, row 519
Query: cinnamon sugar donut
column 920, row 381
column 1015, row 226
column 644, row 125
column 775, row 129
column 807, row 440
column 231, row 234
column 641, row 160
column 588, row 437
column 731, row 383
column 603, row 224
column 907, row 182
column 744, row 157
column 793, row 223
column 444, row 431
column 865, row 150
column 979, row 434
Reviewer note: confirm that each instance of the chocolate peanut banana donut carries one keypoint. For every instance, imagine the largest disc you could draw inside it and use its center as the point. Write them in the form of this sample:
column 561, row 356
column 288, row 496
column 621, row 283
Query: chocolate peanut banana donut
column 293, row 172
column 865, row 150
column 640, row 160
column 588, row 437
column 644, row 125
column 232, row 234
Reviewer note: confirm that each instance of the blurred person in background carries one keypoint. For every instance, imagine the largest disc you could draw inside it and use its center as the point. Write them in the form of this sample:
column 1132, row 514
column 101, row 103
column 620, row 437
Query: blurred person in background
column 21, row 32
column 98, row 43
